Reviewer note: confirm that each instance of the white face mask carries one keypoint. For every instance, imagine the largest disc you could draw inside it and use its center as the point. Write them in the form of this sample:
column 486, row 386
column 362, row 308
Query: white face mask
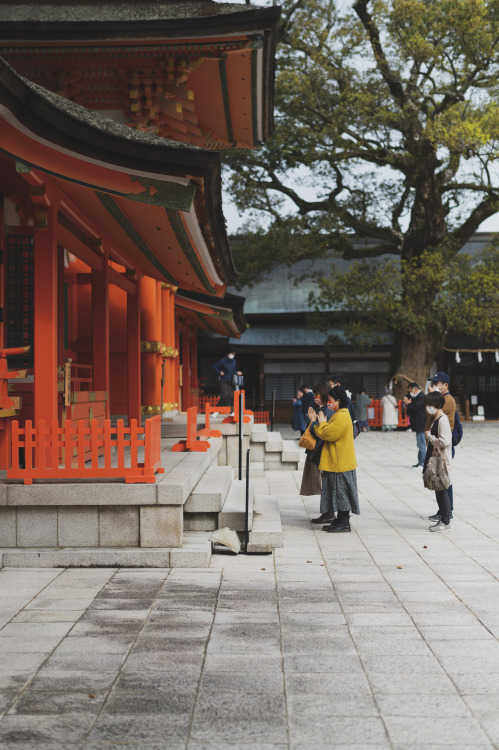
column 431, row 410
column 231, row 356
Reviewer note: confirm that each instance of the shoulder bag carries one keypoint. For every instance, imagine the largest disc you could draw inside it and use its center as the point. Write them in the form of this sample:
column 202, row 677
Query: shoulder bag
column 307, row 441
column 435, row 476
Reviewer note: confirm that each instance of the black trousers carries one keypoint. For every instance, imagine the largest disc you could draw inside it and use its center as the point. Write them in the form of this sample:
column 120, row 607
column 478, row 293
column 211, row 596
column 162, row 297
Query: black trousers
column 443, row 505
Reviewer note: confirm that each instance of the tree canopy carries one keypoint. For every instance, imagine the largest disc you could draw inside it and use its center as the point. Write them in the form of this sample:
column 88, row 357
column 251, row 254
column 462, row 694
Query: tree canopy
column 386, row 141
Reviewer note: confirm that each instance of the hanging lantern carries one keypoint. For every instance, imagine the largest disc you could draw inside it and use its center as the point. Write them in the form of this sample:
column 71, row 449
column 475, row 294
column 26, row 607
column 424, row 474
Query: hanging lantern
column 496, row 356
column 458, row 358
column 480, row 358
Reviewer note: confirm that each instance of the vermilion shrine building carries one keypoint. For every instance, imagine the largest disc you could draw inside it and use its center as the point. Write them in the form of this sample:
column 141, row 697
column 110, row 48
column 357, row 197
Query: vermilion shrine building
column 111, row 227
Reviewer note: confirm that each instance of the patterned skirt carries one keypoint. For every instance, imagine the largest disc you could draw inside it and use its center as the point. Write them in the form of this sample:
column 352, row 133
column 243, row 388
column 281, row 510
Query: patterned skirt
column 339, row 492
column 226, row 395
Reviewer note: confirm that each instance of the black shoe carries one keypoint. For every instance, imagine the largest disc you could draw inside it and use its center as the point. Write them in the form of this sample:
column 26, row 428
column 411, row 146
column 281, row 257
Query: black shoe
column 337, row 528
column 324, row 518
column 417, row 466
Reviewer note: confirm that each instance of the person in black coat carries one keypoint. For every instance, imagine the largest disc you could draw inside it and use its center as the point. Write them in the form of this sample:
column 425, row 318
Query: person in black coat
column 307, row 400
column 416, row 411
column 226, row 368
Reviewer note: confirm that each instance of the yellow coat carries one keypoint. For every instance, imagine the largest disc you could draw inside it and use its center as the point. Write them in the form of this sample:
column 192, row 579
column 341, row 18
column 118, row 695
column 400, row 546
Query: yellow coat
column 338, row 452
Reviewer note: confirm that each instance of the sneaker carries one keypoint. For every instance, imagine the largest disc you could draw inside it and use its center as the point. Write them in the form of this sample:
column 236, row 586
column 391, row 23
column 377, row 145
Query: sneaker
column 417, row 466
column 437, row 517
column 440, row 527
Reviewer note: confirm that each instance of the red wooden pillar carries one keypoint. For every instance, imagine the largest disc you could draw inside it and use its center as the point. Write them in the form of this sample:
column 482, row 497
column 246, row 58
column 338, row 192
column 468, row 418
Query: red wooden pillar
column 148, row 329
column 5, row 442
column 100, row 329
column 186, row 369
column 45, row 314
column 170, row 354
column 158, row 355
column 133, row 355
column 178, row 375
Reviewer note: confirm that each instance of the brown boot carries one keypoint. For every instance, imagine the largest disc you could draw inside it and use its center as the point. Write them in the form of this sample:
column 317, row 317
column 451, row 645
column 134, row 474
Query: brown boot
column 325, row 518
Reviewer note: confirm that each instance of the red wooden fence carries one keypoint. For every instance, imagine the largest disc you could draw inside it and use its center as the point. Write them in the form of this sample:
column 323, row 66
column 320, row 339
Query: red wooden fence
column 53, row 452
column 377, row 421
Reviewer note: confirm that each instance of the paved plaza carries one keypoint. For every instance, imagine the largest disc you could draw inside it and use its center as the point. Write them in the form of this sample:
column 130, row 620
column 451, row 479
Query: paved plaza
column 383, row 638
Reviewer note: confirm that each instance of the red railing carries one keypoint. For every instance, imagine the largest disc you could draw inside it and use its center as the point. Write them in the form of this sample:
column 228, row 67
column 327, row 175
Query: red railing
column 377, row 420
column 262, row 417
column 192, row 441
column 207, row 399
column 53, row 452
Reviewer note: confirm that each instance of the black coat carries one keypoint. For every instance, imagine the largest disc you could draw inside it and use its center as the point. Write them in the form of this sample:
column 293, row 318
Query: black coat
column 307, row 400
column 416, row 411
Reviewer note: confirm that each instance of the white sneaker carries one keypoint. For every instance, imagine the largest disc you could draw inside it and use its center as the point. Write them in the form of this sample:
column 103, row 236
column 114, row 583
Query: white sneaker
column 440, row 527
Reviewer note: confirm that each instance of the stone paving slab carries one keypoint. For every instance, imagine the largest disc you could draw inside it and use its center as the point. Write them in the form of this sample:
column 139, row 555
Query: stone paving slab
column 383, row 639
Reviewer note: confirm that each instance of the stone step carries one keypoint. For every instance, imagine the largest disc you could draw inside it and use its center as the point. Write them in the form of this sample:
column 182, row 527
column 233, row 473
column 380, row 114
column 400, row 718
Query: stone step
column 87, row 557
column 274, row 442
column 266, row 533
column 232, row 514
column 259, row 433
column 209, row 494
column 194, row 553
column 182, row 475
column 257, row 469
column 290, row 450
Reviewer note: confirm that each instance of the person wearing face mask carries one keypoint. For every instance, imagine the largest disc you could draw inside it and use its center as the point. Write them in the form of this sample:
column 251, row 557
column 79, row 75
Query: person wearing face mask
column 311, row 483
column 439, row 435
column 338, row 463
column 226, row 368
column 440, row 382
column 416, row 411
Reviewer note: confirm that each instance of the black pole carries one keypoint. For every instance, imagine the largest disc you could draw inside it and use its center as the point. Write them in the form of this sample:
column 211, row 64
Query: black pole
column 246, row 512
column 253, row 400
column 241, row 419
column 272, row 412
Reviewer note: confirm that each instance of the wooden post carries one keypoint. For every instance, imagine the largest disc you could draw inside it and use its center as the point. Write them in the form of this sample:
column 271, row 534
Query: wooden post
column 148, row 334
column 45, row 323
column 157, row 356
column 133, row 355
column 193, row 358
column 100, row 330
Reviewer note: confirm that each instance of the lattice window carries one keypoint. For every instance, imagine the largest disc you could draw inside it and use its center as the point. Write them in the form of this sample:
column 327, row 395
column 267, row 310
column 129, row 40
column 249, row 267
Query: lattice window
column 19, row 318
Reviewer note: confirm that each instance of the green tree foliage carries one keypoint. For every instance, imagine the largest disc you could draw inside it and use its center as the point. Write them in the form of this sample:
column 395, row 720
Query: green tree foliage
column 387, row 133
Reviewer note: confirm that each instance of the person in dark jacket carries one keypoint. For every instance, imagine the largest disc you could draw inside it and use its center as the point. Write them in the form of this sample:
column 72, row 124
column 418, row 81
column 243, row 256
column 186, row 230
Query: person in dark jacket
column 307, row 400
column 416, row 411
column 226, row 369
column 340, row 380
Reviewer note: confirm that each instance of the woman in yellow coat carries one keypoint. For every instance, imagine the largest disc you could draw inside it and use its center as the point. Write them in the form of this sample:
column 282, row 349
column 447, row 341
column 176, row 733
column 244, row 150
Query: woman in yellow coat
column 338, row 462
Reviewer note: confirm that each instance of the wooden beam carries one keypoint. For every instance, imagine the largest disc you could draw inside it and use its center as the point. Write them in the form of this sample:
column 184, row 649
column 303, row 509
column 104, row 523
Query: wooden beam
column 122, row 281
column 82, row 251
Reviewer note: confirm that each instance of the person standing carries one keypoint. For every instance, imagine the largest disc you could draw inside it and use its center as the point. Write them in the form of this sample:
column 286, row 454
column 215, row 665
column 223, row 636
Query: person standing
column 390, row 411
column 226, row 369
column 338, row 462
column 362, row 403
column 298, row 422
column 439, row 438
column 307, row 400
column 340, row 380
column 311, row 483
column 440, row 382
column 416, row 411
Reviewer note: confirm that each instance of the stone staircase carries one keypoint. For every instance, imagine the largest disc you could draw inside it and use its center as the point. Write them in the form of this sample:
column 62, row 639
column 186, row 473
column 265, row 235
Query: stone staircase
column 163, row 525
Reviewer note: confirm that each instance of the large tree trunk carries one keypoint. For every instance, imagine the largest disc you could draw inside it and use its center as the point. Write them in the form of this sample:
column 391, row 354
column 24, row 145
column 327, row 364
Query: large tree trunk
column 417, row 353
